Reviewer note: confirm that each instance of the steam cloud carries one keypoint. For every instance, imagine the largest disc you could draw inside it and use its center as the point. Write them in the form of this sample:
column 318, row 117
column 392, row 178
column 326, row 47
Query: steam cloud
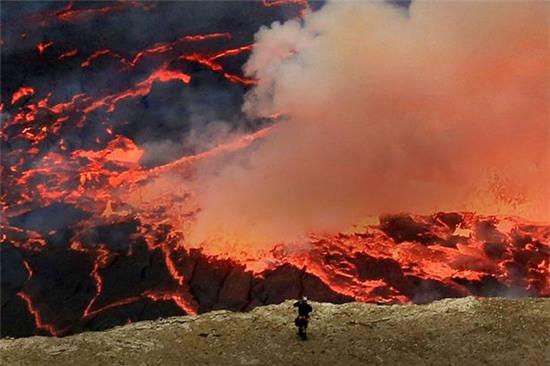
column 445, row 107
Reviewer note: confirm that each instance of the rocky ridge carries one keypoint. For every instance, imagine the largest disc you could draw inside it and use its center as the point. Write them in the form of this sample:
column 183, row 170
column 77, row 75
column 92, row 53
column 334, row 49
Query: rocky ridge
column 467, row 331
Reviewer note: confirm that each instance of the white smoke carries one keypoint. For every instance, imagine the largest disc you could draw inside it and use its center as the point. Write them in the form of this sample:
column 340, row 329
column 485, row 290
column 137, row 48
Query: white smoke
column 443, row 108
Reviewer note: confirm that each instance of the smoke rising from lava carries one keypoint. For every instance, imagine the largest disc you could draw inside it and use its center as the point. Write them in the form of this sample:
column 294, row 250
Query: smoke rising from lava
column 441, row 108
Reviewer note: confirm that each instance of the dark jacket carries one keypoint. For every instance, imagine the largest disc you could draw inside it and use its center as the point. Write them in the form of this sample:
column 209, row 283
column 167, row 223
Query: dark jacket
column 303, row 308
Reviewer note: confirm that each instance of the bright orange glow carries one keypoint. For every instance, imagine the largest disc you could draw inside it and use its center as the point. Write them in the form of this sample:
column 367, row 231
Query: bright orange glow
column 22, row 92
column 41, row 47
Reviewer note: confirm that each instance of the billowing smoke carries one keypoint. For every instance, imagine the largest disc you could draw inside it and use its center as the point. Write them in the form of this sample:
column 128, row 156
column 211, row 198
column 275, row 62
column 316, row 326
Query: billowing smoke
column 443, row 107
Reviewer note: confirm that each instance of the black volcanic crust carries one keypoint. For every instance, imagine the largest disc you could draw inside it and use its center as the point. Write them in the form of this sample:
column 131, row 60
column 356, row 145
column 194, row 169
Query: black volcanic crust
column 62, row 287
column 114, row 277
column 464, row 331
column 53, row 217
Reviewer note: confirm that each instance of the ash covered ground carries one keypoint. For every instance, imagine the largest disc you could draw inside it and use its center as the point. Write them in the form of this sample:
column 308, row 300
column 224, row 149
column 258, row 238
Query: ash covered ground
column 447, row 332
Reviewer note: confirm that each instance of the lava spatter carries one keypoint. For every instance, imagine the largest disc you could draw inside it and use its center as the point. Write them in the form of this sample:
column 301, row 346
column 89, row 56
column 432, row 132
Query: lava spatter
column 42, row 46
column 22, row 92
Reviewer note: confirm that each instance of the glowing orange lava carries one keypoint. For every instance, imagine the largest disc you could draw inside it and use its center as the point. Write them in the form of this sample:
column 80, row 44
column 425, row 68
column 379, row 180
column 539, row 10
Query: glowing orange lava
column 22, row 92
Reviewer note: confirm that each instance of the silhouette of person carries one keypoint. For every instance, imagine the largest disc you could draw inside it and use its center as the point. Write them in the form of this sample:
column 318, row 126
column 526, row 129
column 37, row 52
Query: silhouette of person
column 302, row 319
column 303, row 307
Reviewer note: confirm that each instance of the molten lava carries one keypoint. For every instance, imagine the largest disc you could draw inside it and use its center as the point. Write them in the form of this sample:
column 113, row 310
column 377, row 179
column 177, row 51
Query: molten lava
column 24, row 91
column 41, row 47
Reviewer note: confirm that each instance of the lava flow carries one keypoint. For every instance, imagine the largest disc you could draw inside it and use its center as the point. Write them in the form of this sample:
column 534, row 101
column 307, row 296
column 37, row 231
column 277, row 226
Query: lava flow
column 99, row 183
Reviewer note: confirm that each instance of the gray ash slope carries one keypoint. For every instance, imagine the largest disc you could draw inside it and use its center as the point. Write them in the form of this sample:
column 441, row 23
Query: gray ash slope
column 467, row 331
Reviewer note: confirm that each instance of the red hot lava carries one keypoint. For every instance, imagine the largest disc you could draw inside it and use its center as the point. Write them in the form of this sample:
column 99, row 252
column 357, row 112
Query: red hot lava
column 22, row 92
column 41, row 47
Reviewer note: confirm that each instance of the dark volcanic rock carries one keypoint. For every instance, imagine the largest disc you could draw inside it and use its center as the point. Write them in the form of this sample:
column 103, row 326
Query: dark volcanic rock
column 53, row 217
column 486, row 231
column 403, row 228
column 451, row 219
column 207, row 281
column 290, row 282
column 488, row 286
column 424, row 291
column 234, row 294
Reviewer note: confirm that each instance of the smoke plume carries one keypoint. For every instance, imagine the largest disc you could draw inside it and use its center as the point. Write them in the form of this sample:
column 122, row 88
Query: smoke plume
column 443, row 107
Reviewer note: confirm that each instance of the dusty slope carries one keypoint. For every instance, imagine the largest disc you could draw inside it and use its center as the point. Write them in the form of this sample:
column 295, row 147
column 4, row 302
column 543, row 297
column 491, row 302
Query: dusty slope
column 448, row 332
